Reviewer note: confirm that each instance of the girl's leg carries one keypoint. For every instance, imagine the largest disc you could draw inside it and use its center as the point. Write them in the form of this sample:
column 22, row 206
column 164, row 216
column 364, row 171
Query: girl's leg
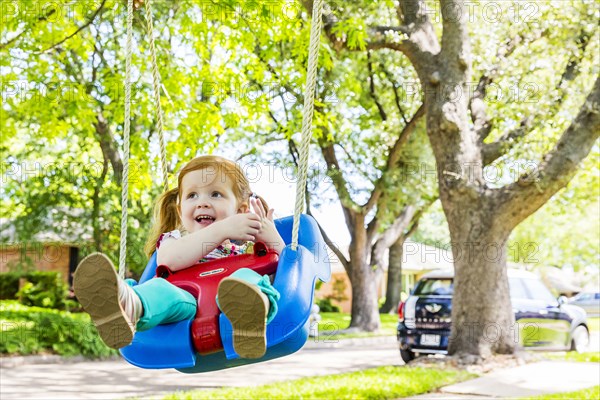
column 118, row 309
column 250, row 302
column 163, row 303
column 111, row 303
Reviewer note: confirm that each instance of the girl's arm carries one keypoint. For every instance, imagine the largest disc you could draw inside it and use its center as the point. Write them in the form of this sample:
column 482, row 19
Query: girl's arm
column 186, row 251
column 268, row 234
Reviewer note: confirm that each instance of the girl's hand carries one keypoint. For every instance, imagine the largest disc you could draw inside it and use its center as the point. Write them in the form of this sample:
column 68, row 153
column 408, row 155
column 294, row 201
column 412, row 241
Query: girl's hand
column 268, row 233
column 245, row 226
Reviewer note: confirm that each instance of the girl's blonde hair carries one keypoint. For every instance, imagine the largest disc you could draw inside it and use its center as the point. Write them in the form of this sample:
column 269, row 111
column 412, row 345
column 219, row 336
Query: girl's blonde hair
column 166, row 211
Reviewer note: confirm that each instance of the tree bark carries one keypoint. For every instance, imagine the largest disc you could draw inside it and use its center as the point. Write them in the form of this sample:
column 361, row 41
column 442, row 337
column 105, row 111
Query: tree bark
column 481, row 303
column 394, row 277
column 363, row 280
column 391, row 236
column 482, row 318
column 530, row 192
column 96, row 200
column 107, row 144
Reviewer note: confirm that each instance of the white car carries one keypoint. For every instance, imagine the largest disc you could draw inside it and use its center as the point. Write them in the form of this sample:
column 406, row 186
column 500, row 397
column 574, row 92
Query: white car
column 589, row 301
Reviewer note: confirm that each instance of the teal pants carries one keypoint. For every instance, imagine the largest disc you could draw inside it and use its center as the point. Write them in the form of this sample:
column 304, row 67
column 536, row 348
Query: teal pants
column 165, row 303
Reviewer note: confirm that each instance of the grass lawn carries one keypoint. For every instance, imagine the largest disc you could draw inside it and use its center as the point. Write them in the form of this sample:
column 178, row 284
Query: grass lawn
column 574, row 356
column 332, row 323
column 591, row 393
column 377, row 383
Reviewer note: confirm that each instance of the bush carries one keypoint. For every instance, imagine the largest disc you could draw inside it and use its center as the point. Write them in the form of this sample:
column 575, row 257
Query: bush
column 34, row 330
column 325, row 305
column 9, row 285
column 42, row 288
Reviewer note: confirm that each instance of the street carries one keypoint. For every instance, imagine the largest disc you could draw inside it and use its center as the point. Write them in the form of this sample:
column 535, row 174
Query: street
column 117, row 379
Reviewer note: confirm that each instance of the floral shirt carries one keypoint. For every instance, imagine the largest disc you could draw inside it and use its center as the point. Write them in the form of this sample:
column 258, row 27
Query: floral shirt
column 226, row 249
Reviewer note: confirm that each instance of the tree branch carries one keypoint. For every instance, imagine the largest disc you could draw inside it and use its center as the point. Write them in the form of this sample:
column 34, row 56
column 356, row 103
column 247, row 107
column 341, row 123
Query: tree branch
column 420, row 48
column 95, row 217
column 522, row 198
column 393, row 157
column 349, row 207
column 382, row 113
column 420, row 32
column 455, row 37
column 479, row 116
column 390, row 235
column 107, row 145
column 415, row 223
column 396, row 96
column 408, row 219
column 571, row 71
column 10, row 41
column 353, row 161
column 417, row 47
column 293, row 149
column 299, row 96
column 481, row 121
column 82, row 27
column 49, row 13
column 492, row 151
column 331, row 244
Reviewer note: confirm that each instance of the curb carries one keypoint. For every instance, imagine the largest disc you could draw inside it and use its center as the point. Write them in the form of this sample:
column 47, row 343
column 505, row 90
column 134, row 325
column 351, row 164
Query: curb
column 324, row 342
column 16, row 361
column 313, row 343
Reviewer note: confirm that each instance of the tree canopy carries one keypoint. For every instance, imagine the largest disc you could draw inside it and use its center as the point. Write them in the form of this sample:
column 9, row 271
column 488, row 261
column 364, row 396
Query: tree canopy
column 488, row 105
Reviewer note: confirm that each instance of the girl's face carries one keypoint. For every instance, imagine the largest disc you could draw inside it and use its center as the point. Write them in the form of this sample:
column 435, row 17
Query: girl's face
column 206, row 196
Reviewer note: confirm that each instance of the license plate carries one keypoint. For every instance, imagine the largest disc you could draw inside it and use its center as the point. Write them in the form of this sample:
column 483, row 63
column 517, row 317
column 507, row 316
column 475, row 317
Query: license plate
column 430, row 340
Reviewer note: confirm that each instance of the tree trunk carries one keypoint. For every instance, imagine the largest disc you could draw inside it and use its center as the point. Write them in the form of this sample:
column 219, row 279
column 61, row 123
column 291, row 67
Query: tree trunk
column 96, row 199
column 482, row 317
column 108, row 146
column 394, row 277
column 365, row 315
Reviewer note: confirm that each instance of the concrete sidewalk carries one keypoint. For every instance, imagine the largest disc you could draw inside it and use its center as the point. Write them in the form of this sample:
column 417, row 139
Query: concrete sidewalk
column 534, row 379
column 57, row 378
column 116, row 379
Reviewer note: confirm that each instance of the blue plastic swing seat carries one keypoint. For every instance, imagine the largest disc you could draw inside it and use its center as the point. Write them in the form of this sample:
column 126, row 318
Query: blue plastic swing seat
column 171, row 346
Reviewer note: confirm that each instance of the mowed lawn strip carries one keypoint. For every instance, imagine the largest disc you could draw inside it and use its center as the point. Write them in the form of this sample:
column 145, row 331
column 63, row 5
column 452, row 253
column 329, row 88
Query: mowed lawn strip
column 592, row 393
column 332, row 323
column 377, row 383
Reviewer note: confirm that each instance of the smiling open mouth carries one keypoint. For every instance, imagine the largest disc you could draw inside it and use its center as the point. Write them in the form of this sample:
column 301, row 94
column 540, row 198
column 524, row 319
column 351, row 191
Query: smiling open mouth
column 205, row 219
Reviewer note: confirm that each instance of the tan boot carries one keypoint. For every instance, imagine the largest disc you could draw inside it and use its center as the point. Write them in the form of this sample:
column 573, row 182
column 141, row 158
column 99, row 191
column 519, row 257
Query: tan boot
column 246, row 307
column 112, row 304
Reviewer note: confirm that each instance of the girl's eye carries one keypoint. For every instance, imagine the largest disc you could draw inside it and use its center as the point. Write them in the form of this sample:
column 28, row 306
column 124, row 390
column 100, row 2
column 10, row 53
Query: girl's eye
column 216, row 194
column 192, row 195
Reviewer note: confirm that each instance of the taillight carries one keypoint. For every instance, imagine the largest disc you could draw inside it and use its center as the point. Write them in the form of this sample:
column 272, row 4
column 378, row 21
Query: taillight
column 401, row 311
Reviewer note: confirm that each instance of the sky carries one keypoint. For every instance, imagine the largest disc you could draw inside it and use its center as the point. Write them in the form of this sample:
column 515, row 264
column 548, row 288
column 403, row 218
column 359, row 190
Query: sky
column 278, row 187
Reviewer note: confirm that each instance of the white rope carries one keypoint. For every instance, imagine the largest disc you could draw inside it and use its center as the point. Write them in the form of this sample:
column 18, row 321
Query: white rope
column 126, row 130
column 307, row 116
column 156, row 86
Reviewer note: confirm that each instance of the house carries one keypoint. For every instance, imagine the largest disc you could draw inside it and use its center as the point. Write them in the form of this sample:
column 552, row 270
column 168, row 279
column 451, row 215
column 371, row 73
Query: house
column 45, row 251
column 417, row 259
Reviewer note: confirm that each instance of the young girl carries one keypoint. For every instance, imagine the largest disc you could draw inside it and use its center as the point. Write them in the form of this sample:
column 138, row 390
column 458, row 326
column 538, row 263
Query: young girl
column 207, row 216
